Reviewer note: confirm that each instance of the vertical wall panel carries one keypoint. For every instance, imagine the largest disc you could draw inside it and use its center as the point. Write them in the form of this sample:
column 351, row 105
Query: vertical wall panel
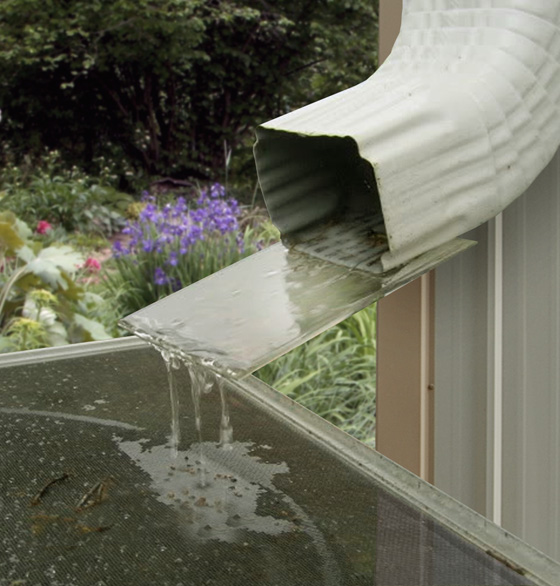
column 461, row 374
column 531, row 363
column 531, row 368
column 515, row 324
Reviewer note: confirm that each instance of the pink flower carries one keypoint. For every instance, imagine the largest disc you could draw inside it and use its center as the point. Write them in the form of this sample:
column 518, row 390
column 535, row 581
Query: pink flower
column 42, row 227
column 92, row 264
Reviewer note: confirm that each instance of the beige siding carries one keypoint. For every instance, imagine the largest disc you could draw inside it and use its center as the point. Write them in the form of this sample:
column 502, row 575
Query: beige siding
column 531, row 492
column 461, row 371
column 529, row 497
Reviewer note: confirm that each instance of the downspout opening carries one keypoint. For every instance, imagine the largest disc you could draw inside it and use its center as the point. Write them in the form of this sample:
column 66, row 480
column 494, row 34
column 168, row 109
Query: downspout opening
column 314, row 184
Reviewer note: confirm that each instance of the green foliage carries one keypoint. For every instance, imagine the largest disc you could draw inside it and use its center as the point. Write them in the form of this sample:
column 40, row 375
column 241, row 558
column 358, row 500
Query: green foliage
column 343, row 48
column 42, row 302
column 170, row 87
column 333, row 375
column 68, row 199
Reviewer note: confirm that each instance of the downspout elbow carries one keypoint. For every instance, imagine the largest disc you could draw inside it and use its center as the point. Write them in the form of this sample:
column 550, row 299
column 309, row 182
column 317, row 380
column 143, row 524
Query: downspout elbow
column 454, row 126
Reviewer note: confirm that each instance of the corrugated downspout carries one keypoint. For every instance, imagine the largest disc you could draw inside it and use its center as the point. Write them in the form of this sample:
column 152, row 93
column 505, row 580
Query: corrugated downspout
column 456, row 124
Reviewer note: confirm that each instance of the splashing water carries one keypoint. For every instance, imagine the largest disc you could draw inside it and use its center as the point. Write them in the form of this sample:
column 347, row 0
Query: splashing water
column 226, row 428
column 172, row 364
column 202, row 381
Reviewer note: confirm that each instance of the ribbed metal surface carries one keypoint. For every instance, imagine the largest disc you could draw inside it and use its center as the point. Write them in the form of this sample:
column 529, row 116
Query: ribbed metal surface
column 456, row 123
column 532, row 363
column 530, row 467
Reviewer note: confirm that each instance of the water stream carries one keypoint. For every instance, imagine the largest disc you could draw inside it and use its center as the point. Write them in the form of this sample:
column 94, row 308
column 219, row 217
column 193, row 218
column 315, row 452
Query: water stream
column 230, row 324
column 238, row 319
column 172, row 364
column 202, row 381
column 226, row 427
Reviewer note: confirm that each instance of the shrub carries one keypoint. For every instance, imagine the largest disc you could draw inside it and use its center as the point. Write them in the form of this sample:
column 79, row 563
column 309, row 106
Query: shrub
column 161, row 85
column 42, row 302
column 67, row 198
column 173, row 245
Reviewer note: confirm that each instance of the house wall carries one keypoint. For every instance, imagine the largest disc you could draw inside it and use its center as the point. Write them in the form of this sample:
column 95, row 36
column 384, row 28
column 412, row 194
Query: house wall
column 498, row 449
column 461, row 351
column 496, row 354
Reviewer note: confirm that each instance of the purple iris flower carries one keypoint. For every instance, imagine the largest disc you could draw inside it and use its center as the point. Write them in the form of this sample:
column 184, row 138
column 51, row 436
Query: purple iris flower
column 173, row 259
column 170, row 231
column 148, row 245
column 160, row 277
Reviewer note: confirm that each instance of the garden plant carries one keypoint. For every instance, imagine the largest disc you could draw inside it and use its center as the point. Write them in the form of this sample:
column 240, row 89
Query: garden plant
column 171, row 245
column 42, row 302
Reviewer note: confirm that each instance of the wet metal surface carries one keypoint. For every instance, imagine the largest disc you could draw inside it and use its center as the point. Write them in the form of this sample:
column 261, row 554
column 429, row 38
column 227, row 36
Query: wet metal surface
column 252, row 312
column 90, row 493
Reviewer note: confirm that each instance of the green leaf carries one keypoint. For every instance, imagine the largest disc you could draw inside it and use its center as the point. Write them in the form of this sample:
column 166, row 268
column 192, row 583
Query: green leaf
column 51, row 263
column 13, row 232
column 93, row 328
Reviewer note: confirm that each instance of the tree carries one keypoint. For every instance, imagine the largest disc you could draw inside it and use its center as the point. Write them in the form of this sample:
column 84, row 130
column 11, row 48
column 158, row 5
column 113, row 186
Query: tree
column 165, row 84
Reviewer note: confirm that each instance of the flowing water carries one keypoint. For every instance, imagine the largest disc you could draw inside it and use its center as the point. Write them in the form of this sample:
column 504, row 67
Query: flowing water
column 231, row 323
column 202, row 381
column 239, row 319
column 171, row 364
column 226, row 428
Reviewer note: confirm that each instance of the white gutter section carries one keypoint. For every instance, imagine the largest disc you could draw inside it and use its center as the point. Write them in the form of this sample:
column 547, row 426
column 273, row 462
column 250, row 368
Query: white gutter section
column 455, row 125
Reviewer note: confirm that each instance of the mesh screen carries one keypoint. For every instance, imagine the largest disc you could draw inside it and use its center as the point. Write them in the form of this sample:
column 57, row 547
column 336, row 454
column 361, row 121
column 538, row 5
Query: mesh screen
column 91, row 494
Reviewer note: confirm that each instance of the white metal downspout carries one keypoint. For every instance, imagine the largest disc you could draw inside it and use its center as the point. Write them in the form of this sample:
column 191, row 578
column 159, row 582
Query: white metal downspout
column 455, row 125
